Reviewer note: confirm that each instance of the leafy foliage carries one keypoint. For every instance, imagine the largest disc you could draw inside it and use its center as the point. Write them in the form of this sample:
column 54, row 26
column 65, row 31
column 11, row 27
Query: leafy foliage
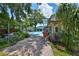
column 68, row 14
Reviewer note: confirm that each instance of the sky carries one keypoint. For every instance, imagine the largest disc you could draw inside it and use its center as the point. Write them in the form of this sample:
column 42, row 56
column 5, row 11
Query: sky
column 34, row 6
column 55, row 6
column 46, row 8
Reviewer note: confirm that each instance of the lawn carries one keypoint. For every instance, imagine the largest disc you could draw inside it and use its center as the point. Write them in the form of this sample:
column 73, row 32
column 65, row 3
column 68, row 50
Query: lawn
column 3, row 54
column 58, row 52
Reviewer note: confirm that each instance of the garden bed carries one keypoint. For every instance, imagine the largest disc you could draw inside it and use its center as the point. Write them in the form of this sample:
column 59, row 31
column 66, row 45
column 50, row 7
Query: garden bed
column 17, row 36
column 59, row 50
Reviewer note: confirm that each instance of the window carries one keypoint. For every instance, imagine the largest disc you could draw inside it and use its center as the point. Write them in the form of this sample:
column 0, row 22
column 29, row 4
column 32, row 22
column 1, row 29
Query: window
column 56, row 29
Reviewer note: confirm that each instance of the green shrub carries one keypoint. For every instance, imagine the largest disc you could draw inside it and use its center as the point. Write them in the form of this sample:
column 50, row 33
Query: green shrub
column 21, row 35
column 3, row 44
column 69, row 40
column 17, row 36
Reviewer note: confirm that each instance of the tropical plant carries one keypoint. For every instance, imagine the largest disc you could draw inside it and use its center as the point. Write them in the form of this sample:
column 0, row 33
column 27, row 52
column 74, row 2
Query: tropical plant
column 37, row 17
column 68, row 14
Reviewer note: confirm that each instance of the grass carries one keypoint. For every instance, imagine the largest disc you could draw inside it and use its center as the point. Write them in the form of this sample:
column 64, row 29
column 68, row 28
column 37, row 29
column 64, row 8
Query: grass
column 3, row 54
column 58, row 52
column 3, row 44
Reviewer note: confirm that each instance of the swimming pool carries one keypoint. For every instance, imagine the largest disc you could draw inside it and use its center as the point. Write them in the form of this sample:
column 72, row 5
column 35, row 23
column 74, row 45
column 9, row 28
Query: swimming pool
column 36, row 33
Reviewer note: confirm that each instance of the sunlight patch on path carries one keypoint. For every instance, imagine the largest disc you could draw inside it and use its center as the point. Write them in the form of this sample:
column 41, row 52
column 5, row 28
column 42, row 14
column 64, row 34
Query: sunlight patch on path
column 47, row 51
column 33, row 46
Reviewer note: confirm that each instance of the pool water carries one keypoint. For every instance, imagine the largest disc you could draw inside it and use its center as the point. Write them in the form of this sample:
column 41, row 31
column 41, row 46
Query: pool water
column 36, row 33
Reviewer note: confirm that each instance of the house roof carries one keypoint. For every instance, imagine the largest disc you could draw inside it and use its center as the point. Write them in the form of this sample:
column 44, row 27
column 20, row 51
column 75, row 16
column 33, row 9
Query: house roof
column 53, row 19
column 41, row 25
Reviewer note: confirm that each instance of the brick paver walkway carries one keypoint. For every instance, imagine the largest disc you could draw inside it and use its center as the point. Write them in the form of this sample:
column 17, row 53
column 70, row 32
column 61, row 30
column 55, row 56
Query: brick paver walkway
column 33, row 46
